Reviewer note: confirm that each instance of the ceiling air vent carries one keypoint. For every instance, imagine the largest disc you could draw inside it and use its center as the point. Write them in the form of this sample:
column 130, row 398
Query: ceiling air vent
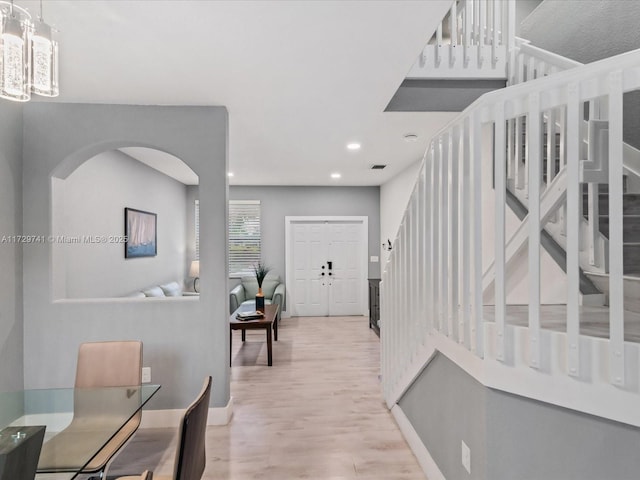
column 377, row 167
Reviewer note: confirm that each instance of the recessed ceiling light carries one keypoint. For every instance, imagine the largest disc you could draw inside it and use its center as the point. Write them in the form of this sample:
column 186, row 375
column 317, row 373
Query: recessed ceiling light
column 335, row 175
column 410, row 137
column 353, row 146
column 230, row 174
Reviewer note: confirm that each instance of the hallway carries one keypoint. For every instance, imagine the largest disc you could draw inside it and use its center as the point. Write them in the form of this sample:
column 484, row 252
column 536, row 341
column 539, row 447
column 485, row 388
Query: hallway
column 317, row 413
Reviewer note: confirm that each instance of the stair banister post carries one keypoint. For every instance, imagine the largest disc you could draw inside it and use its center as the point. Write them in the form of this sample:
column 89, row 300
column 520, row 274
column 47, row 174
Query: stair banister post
column 500, row 182
column 616, row 259
column 573, row 139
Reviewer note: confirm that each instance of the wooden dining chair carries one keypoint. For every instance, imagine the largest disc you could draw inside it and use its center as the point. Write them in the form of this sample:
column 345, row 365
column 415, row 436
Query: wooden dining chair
column 190, row 455
column 100, row 364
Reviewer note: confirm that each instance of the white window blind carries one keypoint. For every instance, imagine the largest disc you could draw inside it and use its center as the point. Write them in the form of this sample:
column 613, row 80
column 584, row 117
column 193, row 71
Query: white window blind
column 197, row 229
column 244, row 236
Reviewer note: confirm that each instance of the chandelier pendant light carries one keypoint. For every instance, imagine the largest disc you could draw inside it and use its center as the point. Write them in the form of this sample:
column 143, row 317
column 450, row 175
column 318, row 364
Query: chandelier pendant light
column 29, row 55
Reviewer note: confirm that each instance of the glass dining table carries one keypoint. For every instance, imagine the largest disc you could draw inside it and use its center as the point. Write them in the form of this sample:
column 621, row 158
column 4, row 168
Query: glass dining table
column 73, row 423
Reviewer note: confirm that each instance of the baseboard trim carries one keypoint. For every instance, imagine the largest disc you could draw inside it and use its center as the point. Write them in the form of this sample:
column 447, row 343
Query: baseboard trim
column 426, row 461
column 171, row 417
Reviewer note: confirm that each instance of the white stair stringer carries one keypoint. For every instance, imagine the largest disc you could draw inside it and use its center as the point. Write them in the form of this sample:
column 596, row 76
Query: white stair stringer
column 551, row 199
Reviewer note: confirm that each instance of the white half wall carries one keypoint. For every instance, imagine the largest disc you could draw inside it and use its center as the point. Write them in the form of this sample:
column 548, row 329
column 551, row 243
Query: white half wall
column 184, row 338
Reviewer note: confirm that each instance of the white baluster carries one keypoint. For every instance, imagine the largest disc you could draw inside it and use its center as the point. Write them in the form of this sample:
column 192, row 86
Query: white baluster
column 421, row 257
column 500, row 182
column 616, row 260
column 520, row 165
column 427, row 240
column 563, row 161
column 495, row 30
column 444, row 233
column 455, row 220
column 476, row 164
column 437, row 310
column 467, row 233
column 482, row 12
column 534, row 164
column 468, row 26
column 574, row 193
column 438, row 46
column 454, row 34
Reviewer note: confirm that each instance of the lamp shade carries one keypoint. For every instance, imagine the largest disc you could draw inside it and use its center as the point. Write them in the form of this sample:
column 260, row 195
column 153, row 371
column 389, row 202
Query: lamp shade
column 194, row 270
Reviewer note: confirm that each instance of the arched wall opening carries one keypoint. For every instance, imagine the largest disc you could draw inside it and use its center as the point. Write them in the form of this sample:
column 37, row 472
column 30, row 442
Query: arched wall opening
column 90, row 238
column 184, row 339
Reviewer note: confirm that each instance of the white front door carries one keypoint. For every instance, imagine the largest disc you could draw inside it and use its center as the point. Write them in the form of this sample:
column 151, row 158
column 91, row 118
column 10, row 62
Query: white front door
column 326, row 266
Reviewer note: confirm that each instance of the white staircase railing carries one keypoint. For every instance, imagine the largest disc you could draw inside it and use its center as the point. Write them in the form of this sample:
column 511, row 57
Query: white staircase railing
column 472, row 41
column 432, row 286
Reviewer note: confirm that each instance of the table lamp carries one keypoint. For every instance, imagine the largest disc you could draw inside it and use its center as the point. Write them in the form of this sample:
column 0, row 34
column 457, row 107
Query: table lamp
column 194, row 271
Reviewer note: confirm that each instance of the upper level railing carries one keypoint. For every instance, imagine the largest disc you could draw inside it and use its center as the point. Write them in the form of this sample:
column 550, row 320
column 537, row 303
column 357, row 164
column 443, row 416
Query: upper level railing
column 432, row 285
column 473, row 40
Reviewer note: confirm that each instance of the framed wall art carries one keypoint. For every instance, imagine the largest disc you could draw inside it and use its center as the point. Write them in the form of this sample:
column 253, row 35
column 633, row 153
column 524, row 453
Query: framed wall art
column 141, row 233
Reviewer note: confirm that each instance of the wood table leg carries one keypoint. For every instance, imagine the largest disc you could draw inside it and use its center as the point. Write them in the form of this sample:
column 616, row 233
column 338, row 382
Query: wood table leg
column 244, row 334
column 275, row 329
column 269, row 346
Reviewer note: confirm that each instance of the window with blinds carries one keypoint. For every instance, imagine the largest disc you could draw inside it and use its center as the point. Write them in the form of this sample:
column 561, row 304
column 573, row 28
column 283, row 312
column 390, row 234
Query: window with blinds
column 244, row 236
column 197, row 229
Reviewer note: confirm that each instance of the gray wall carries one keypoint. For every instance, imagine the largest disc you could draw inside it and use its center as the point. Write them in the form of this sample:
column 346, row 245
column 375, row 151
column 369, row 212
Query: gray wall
column 587, row 31
column 531, row 440
column 11, row 327
column 512, row 437
column 279, row 202
column 184, row 338
column 445, row 407
column 95, row 196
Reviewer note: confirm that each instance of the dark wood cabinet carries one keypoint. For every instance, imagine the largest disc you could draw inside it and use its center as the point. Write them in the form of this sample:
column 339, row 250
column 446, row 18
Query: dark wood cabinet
column 374, row 304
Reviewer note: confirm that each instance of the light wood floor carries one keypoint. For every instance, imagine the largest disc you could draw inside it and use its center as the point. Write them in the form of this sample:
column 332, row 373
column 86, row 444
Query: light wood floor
column 317, row 413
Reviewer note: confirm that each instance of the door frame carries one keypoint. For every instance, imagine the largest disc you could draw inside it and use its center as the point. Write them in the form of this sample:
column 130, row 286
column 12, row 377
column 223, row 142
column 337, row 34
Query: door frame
column 288, row 252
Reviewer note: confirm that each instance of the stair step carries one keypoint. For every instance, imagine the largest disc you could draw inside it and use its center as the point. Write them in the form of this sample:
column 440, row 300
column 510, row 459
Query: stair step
column 630, row 203
column 604, row 187
column 631, row 255
column 631, row 290
column 630, row 228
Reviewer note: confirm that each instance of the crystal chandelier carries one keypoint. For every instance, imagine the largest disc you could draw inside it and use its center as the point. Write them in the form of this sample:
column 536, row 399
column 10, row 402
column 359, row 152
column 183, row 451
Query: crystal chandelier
column 28, row 55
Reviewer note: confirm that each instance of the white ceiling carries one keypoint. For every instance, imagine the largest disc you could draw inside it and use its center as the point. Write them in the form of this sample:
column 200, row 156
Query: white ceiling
column 300, row 79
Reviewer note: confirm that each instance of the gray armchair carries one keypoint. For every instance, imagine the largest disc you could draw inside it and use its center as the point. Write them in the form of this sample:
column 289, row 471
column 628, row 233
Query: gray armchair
column 245, row 292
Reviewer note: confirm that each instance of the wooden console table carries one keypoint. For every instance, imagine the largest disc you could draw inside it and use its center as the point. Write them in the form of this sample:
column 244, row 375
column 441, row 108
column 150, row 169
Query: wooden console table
column 269, row 321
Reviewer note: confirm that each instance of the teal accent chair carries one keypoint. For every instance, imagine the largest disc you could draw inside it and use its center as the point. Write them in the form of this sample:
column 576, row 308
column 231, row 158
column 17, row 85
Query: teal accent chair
column 245, row 293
